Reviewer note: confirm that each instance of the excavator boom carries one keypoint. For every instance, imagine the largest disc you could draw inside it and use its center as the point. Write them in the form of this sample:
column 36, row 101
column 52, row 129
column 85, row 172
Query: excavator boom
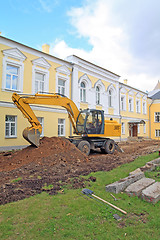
column 32, row 134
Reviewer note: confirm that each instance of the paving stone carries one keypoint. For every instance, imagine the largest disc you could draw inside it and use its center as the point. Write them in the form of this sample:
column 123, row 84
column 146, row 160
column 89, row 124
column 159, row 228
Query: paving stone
column 136, row 188
column 151, row 193
column 148, row 167
column 155, row 161
column 138, row 170
column 122, row 184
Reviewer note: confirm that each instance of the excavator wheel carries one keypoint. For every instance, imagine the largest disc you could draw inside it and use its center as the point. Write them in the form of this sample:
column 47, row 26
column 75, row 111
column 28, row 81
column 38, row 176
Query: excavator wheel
column 84, row 147
column 109, row 147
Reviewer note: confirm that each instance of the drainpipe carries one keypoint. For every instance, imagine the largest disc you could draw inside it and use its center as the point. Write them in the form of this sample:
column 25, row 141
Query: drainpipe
column 120, row 117
column 150, row 118
column 71, row 96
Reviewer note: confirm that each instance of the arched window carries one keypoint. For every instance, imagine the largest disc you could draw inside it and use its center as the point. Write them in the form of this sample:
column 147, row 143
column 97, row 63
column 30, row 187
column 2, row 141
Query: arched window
column 83, row 92
column 97, row 95
column 110, row 98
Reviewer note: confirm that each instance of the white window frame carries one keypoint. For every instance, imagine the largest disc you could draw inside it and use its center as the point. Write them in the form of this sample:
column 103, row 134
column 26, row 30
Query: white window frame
column 157, row 117
column 83, row 92
column 123, row 128
column 20, row 67
column 44, row 72
column 123, row 104
column 138, row 107
column 39, row 82
column 110, row 98
column 41, row 120
column 144, row 128
column 10, row 122
column 157, row 133
column 61, row 125
column 130, row 104
column 98, row 95
column 144, row 107
column 63, row 73
column 61, row 88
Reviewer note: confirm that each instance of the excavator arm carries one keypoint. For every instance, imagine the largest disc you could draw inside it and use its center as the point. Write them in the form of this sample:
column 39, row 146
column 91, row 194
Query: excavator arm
column 32, row 134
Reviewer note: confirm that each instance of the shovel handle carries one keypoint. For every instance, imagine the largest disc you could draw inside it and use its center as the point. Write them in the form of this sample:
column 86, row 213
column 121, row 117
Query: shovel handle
column 110, row 204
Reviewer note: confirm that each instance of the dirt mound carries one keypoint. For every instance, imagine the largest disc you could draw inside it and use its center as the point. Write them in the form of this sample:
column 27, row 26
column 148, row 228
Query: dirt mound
column 56, row 163
column 50, row 151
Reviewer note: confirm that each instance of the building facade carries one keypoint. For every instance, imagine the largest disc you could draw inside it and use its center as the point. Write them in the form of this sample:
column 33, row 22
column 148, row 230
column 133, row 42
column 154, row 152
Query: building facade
column 26, row 71
column 154, row 112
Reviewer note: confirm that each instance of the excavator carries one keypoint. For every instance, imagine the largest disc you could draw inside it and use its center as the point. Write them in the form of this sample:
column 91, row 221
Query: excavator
column 90, row 127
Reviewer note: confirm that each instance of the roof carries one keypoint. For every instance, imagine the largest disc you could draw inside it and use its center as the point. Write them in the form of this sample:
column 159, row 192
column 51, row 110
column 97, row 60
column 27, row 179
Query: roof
column 157, row 86
column 96, row 65
column 156, row 95
column 137, row 122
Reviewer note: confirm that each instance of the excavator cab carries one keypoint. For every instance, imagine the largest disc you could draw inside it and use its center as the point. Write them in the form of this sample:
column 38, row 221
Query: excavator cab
column 90, row 121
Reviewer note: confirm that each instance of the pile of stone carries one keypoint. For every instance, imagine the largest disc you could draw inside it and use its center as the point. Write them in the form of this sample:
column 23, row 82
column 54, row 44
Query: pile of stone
column 136, row 184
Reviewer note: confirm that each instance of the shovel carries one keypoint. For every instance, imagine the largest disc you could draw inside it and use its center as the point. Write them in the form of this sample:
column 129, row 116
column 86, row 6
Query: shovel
column 90, row 192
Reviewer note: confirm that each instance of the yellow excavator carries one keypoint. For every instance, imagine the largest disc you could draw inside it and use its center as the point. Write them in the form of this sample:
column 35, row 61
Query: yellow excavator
column 92, row 130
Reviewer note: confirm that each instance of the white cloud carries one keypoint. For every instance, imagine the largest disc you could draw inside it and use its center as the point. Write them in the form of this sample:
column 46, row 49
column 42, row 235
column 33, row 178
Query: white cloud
column 102, row 23
column 48, row 5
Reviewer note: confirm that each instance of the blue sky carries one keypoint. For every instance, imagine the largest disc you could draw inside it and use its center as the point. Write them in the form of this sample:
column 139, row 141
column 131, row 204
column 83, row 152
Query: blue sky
column 34, row 22
column 120, row 35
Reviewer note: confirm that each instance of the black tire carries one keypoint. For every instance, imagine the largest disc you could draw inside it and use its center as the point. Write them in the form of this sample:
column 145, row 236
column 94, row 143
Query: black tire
column 84, row 147
column 109, row 146
column 103, row 150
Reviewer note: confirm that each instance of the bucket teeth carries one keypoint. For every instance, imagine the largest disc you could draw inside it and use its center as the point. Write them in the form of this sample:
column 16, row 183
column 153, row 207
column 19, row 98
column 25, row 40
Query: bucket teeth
column 32, row 136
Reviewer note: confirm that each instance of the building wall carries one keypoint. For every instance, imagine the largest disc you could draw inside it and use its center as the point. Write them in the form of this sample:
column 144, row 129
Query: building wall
column 73, row 71
column 31, row 60
column 154, row 125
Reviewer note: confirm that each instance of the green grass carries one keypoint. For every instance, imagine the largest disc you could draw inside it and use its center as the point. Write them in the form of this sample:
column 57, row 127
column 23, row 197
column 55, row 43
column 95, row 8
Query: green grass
column 16, row 180
column 71, row 215
column 155, row 174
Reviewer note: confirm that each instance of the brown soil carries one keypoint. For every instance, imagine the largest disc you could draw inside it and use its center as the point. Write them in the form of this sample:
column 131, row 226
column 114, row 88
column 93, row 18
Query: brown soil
column 56, row 163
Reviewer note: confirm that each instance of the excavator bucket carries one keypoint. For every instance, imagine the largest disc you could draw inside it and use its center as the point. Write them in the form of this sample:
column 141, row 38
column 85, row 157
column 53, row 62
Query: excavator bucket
column 32, row 136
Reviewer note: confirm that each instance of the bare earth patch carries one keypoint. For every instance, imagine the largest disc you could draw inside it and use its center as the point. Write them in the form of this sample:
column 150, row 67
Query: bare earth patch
column 56, row 163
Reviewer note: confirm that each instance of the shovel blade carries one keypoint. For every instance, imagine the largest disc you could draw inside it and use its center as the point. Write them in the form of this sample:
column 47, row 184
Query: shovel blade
column 32, row 136
column 87, row 191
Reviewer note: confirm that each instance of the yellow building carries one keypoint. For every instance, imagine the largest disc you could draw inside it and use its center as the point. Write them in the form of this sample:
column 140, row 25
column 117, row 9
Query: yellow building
column 154, row 113
column 133, row 112
column 26, row 71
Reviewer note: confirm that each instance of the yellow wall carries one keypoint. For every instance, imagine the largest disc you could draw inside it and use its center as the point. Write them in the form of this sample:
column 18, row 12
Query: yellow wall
column 50, row 125
column 155, row 107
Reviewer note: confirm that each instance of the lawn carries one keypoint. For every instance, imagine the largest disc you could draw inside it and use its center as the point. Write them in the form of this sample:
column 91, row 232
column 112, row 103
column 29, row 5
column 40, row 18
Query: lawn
column 72, row 215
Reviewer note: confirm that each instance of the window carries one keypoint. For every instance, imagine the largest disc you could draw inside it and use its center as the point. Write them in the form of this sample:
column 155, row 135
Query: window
column 157, row 133
column 13, row 69
column 83, row 92
column 144, row 108
column 61, row 127
column 39, row 82
column 40, row 75
column 123, row 128
column 10, row 126
column 41, row 120
column 122, row 103
column 144, row 128
column 157, row 116
column 61, row 86
column 97, row 95
column 138, row 128
column 12, row 76
column 110, row 100
column 130, row 105
column 138, row 106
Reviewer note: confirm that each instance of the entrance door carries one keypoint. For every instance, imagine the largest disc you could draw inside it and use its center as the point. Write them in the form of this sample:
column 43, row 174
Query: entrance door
column 133, row 130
